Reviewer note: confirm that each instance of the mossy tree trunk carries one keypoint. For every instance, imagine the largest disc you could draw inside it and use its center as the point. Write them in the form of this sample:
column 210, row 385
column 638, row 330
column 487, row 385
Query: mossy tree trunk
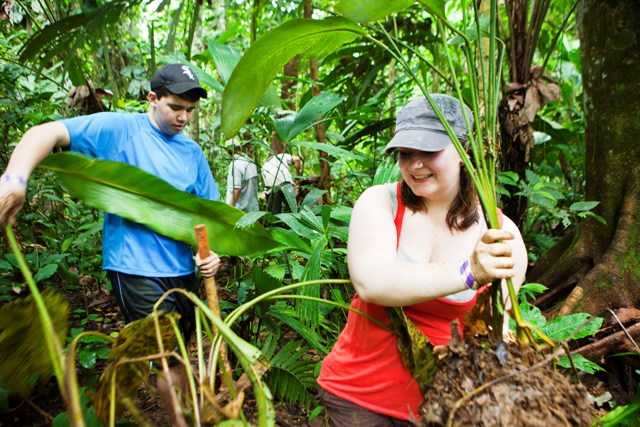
column 605, row 259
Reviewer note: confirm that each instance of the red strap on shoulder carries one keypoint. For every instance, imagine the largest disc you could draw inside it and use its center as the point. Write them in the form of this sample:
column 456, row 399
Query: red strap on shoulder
column 399, row 213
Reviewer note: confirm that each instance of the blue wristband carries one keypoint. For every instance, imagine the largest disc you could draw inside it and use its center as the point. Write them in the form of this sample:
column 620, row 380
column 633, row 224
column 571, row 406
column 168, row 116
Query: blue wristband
column 467, row 275
column 11, row 177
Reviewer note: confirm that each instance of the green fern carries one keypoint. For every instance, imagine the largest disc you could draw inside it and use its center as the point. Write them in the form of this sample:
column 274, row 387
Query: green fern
column 291, row 376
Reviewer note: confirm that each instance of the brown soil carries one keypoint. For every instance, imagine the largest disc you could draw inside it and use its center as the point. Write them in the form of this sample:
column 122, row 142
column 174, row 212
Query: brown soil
column 503, row 385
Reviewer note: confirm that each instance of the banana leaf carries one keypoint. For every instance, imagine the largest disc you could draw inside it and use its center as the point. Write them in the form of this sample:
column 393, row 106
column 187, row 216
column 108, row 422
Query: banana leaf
column 136, row 195
column 268, row 55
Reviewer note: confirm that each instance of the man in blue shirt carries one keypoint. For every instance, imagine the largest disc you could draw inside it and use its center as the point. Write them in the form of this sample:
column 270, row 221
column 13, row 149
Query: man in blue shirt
column 141, row 264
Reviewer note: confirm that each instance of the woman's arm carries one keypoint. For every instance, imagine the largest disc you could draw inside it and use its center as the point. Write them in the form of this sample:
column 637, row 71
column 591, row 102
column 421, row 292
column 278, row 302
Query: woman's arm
column 380, row 279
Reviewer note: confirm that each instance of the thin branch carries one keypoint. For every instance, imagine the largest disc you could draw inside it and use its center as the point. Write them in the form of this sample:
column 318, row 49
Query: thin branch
column 624, row 329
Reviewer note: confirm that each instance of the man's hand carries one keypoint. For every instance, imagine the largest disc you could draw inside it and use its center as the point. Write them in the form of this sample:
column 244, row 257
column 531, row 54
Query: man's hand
column 208, row 266
column 491, row 259
column 12, row 197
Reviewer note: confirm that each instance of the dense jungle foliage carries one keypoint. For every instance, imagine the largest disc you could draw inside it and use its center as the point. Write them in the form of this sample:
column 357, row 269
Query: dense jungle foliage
column 332, row 102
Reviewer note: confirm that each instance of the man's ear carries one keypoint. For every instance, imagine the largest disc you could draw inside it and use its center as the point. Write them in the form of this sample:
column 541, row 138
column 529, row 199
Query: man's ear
column 151, row 96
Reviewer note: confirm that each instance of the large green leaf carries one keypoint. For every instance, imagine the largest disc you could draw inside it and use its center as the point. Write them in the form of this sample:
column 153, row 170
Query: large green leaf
column 282, row 123
column 317, row 106
column 290, row 239
column 139, row 196
column 436, row 7
column 268, row 55
column 371, row 10
column 226, row 59
column 574, row 325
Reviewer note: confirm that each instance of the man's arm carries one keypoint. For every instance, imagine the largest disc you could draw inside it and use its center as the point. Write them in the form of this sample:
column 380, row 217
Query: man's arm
column 235, row 196
column 36, row 144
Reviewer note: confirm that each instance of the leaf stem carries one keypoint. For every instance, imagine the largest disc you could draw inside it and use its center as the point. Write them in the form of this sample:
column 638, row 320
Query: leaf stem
column 50, row 336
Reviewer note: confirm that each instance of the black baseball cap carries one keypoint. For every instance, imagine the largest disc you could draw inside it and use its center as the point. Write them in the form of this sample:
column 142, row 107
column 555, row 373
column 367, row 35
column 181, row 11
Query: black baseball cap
column 177, row 79
column 418, row 126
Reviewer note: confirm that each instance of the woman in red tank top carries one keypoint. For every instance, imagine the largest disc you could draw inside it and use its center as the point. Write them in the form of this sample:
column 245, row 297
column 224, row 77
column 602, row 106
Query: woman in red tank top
column 422, row 245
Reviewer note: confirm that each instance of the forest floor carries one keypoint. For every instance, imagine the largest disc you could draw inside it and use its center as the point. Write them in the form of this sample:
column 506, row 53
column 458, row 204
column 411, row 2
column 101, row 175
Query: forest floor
column 95, row 309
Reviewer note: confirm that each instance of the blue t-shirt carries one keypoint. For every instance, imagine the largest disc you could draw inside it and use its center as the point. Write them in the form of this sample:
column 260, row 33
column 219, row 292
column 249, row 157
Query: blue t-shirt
column 128, row 247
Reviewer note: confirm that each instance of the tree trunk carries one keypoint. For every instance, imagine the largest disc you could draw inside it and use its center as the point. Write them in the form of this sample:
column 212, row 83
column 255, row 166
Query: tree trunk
column 325, row 170
column 528, row 89
column 516, row 141
column 605, row 259
column 288, row 90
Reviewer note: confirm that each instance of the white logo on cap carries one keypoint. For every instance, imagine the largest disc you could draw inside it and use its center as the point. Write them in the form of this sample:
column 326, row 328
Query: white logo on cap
column 186, row 70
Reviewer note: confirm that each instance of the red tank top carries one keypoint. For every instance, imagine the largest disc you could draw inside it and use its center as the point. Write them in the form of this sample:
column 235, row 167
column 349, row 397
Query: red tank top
column 365, row 367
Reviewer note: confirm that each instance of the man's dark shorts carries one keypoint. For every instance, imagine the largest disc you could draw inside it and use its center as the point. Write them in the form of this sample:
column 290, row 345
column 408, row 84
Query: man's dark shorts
column 136, row 296
column 341, row 413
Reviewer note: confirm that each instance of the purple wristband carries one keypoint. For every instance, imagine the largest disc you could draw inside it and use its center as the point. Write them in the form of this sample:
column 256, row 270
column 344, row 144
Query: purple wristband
column 10, row 177
column 467, row 275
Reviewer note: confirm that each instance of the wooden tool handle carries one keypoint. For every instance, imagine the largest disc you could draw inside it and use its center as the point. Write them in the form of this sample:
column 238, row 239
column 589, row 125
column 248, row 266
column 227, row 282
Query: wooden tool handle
column 203, row 240
column 211, row 289
column 209, row 282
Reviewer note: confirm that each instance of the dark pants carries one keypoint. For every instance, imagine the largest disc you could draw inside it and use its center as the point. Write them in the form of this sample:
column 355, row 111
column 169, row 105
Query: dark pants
column 342, row 413
column 275, row 199
column 136, row 296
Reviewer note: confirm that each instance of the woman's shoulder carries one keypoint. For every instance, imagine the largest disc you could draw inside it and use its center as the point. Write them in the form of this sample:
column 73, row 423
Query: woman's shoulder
column 378, row 190
column 373, row 208
column 377, row 195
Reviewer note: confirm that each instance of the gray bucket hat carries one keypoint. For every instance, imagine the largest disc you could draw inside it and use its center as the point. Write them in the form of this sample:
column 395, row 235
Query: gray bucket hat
column 418, row 127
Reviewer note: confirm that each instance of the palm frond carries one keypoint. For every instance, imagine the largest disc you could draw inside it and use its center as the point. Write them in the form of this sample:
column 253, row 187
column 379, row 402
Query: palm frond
column 291, row 376
column 63, row 37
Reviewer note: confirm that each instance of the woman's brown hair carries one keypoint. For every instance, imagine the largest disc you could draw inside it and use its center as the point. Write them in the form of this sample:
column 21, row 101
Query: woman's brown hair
column 463, row 212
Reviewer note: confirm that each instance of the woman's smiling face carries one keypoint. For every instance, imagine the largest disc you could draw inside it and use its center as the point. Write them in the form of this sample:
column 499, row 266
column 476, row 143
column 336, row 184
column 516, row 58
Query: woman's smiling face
column 432, row 175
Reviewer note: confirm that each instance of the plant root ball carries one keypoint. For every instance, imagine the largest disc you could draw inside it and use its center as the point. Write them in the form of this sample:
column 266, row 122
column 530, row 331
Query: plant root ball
column 520, row 394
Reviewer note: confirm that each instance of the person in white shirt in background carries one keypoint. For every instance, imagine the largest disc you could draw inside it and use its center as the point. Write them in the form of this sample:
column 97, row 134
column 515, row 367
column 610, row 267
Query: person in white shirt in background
column 276, row 175
column 242, row 178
